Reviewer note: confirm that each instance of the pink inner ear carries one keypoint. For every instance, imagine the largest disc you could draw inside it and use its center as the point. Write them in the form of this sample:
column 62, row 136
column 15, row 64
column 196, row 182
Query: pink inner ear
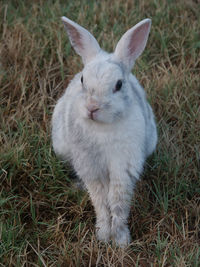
column 74, row 35
column 138, row 40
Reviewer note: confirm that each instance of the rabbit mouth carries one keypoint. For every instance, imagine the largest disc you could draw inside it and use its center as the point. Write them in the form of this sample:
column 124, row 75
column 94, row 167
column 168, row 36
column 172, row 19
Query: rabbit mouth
column 93, row 115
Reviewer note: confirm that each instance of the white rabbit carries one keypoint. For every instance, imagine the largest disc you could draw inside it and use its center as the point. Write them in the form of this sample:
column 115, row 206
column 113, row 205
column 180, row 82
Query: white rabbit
column 104, row 125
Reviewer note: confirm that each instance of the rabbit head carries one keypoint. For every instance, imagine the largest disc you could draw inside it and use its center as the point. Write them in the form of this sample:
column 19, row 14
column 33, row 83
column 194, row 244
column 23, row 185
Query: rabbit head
column 104, row 92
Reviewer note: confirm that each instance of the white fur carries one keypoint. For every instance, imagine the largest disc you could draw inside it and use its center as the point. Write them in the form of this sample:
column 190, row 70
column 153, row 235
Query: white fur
column 107, row 150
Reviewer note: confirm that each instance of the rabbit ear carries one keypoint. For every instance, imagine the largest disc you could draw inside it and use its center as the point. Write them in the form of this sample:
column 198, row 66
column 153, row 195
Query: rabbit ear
column 132, row 43
column 82, row 40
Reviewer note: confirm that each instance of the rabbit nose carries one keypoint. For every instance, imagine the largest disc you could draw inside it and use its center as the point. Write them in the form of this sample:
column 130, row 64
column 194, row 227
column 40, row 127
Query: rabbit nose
column 92, row 109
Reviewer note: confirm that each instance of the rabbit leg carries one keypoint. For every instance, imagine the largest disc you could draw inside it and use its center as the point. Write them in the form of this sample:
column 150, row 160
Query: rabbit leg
column 119, row 196
column 98, row 193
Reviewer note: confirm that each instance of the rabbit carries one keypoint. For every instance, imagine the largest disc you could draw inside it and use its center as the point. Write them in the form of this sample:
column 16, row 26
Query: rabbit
column 105, row 127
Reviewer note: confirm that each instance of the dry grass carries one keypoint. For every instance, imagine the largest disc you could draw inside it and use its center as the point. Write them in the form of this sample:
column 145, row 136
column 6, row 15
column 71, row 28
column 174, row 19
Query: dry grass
column 44, row 220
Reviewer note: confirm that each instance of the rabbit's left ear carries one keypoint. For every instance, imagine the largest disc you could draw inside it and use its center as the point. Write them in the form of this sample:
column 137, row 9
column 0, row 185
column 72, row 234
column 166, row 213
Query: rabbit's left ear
column 132, row 43
column 82, row 40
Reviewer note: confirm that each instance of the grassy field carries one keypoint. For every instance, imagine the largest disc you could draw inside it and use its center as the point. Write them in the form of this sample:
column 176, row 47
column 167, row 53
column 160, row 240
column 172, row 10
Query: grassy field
column 44, row 219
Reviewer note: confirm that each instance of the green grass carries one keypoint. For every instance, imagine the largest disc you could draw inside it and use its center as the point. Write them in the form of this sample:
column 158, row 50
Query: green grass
column 44, row 219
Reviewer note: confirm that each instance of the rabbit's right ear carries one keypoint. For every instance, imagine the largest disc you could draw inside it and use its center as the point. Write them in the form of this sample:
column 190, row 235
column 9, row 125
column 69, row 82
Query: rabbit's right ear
column 82, row 40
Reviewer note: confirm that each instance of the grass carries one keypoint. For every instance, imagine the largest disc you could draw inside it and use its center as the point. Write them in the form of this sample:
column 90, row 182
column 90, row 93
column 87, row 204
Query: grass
column 44, row 219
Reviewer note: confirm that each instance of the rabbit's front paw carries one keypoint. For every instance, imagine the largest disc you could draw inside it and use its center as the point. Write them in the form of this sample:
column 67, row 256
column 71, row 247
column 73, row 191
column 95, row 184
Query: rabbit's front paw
column 103, row 232
column 121, row 236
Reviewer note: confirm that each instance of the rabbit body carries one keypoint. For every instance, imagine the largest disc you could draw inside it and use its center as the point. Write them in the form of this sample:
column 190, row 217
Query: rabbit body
column 104, row 125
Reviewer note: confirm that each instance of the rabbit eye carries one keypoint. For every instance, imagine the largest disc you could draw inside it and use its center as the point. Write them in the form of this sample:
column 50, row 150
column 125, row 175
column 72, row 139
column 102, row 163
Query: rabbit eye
column 118, row 86
column 82, row 79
